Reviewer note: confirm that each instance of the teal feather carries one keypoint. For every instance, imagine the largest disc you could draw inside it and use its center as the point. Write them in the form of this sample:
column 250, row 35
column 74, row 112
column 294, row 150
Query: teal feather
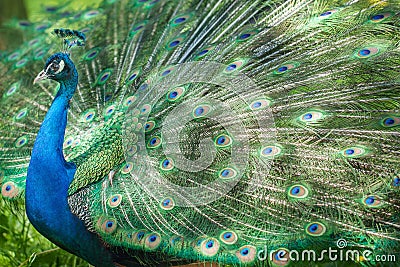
column 173, row 166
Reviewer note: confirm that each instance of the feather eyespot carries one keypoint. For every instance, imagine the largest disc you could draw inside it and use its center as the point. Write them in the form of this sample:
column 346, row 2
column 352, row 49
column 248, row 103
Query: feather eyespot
column 21, row 141
column 154, row 142
column 127, row 168
column 167, row 204
column 91, row 14
column 228, row 237
column 311, row 117
column 328, row 13
column 315, row 229
column 85, row 30
column 372, row 201
column 9, row 190
column 68, row 142
column 152, row 241
column 209, row 247
column 175, row 93
column 24, row 23
column 247, row 35
column 108, row 111
column 179, row 20
column 13, row 56
column 104, row 76
column 144, row 85
column 271, row 151
column 167, row 164
column 139, row 236
column 13, row 88
column 354, row 152
column 367, row 52
column 260, row 104
column 167, row 71
column 109, row 226
column 146, row 109
column 91, row 54
column 390, row 121
column 175, row 42
column 204, row 51
column 76, row 143
column 21, row 114
column 88, row 116
column 201, row 111
column 114, row 200
column 43, row 26
column 227, row 173
column 138, row 28
column 51, row 9
column 235, row 66
column 380, row 17
column 286, row 68
column 131, row 150
column 223, row 140
column 246, row 254
column 39, row 53
column 298, row 191
column 280, row 257
column 132, row 77
column 33, row 42
column 149, row 126
column 129, row 100
column 231, row 67
column 20, row 63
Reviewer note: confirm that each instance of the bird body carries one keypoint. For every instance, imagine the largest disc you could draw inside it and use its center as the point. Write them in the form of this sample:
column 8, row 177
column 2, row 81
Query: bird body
column 49, row 177
column 210, row 131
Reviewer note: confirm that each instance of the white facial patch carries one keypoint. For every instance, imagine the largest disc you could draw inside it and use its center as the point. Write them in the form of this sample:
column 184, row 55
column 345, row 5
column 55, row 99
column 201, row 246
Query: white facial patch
column 61, row 67
column 56, row 68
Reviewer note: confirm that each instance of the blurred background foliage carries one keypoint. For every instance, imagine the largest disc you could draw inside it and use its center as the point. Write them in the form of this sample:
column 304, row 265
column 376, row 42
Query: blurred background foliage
column 20, row 244
column 31, row 10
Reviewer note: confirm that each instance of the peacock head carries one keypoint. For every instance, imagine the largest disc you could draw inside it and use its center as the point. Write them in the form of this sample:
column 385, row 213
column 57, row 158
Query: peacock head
column 59, row 67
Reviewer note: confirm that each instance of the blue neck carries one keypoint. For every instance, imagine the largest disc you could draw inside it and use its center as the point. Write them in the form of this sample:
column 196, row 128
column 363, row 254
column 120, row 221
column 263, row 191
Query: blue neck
column 48, row 179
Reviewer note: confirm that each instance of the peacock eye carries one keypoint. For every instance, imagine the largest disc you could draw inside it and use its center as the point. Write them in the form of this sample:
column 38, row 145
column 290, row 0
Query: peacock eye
column 57, row 67
column 54, row 67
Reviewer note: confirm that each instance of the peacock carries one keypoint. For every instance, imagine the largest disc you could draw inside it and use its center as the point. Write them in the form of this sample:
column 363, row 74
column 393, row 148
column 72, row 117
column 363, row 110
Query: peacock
column 239, row 133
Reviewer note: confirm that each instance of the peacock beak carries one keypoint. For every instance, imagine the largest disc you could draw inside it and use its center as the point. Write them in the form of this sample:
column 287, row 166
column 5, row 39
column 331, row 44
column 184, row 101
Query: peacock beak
column 41, row 76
